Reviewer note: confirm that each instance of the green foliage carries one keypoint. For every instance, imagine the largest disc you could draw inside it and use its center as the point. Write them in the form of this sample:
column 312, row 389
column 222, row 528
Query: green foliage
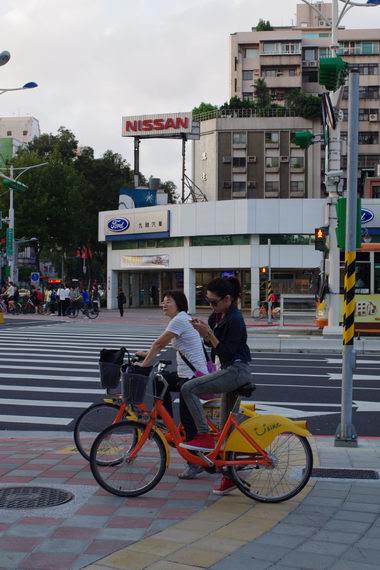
column 237, row 103
column 170, row 189
column 262, row 94
column 304, row 104
column 204, row 108
column 264, row 26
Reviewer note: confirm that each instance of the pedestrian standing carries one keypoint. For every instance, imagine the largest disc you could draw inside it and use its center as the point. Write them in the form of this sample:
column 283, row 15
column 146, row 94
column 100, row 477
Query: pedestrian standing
column 67, row 300
column 121, row 300
column 61, row 297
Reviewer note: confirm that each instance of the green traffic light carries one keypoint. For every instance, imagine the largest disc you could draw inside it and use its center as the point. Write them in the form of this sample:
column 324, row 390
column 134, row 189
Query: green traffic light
column 332, row 72
column 9, row 183
column 303, row 139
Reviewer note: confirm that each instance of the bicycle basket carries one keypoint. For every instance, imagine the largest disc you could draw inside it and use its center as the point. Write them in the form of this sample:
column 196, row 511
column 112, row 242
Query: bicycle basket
column 135, row 381
column 110, row 362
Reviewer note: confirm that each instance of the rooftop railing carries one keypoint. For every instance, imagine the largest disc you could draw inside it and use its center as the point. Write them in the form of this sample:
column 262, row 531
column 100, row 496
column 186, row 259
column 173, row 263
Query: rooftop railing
column 244, row 114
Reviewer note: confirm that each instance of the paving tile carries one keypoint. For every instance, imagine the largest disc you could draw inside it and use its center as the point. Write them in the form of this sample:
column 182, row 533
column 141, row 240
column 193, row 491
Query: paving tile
column 293, row 530
column 11, row 559
column 89, row 521
column 74, row 533
column 297, row 559
column 126, row 534
column 262, row 552
column 196, row 556
column 83, row 561
column 337, row 536
column 27, row 530
column 136, row 560
column 129, row 522
column 347, row 526
column 100, row 510
column 61, row 545
column 41, row 520
column 355, row 516
column 329, row 548
column 362, row 555
column 18, row 544
column 286, row 541
column 369, row 542
column 237, row 562
column 105, row 547
column 349, row 565
column 42, row 561
column 176, row 513
column 138, row 512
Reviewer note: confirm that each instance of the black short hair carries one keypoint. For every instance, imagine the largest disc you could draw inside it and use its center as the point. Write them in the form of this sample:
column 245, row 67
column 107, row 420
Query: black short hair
column 225, row 286
column 179, row 298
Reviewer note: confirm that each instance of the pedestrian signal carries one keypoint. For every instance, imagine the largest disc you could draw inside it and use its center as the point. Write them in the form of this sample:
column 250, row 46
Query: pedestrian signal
column 320, row 239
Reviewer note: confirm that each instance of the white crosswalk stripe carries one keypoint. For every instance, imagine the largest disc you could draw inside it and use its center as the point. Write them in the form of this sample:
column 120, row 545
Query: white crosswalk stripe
column 49, row 374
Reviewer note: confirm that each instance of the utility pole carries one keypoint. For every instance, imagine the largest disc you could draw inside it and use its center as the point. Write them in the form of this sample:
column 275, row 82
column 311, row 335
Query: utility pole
column 345, row 434
column 11, row 232
column 269, row 288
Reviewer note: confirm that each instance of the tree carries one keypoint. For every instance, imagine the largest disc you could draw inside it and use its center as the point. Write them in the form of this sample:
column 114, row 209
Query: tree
column 264, row 26
column 262, row 94
column 236, row 103
column 170, row 189
column 204, row 108
column 303, row 104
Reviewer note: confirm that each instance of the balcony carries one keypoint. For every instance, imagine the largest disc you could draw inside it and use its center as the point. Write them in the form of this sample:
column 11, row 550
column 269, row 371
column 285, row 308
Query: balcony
column 283, row 81
column 359, row 50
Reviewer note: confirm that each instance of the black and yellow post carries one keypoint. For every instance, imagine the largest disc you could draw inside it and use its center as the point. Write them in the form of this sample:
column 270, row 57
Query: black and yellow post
column 345, row 433
column 349, row 298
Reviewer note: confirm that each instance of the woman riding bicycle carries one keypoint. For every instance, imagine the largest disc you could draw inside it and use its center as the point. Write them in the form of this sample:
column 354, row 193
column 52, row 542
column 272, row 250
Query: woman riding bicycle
column 188, row 343
column 226, row 334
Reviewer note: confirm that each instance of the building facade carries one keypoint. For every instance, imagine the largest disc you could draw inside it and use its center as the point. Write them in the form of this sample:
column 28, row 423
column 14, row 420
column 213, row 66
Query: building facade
column 14, row 133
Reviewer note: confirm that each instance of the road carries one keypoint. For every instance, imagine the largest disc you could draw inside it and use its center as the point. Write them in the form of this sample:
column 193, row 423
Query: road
column 49, row 374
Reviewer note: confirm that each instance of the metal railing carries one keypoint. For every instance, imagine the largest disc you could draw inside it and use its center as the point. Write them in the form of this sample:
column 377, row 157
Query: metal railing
column 300, row 306
column 244, row 114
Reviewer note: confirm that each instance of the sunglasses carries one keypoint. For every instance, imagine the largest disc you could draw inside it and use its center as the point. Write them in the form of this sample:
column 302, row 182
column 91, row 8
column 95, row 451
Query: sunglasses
column 213, row 302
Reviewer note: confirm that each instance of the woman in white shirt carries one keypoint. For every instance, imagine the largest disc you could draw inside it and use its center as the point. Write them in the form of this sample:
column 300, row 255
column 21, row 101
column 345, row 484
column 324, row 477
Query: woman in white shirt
column 186, row 341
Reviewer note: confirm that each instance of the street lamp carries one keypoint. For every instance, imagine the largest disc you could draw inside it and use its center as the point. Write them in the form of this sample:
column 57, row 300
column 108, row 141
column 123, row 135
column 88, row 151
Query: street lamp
column 12, row 184
column 29, row 85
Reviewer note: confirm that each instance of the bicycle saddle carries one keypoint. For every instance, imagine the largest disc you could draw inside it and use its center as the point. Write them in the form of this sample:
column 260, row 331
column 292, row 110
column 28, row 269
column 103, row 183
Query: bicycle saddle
column 246, row 390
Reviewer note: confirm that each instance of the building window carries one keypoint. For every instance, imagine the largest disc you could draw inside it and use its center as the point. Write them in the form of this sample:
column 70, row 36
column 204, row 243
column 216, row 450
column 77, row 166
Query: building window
column 247, row 75
column 368, row 68
column 310, row 76
column 368, row 138
column 272, row 162
column 324, row 52
column 239, row 186
column 269, row 72
column 272, row 137
column 369, row 92
column 309, row 54
column 247, row 96
column 292, row 72
column 251, row 53
column 272, row 186
column 235, row 84
column 239, row 162
column 239, row 138
column 24, row 133
column 9, row 133
column 200, row 241
column 368, row 161
column 297, row 186
column 297, row 162
column 147, row 243
column 287, row 239
column 376, row 194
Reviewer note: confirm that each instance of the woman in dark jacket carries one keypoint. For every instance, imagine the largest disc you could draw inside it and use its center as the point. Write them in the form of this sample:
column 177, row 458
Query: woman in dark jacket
column 226, row 334
column 121, row 300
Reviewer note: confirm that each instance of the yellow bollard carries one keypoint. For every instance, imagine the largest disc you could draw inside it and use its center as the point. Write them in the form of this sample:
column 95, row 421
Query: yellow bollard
column 2, row 320
column 321, row 315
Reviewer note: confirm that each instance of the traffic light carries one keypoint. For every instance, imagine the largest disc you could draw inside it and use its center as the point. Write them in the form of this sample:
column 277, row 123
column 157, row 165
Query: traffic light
column 332, row 72
column 303, row 139
column 264, row 271
column 320, row 239
column 341, row 223
column 9, row 183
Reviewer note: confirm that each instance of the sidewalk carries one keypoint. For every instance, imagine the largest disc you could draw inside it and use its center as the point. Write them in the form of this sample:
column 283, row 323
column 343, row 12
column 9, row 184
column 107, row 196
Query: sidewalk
column 180, row 525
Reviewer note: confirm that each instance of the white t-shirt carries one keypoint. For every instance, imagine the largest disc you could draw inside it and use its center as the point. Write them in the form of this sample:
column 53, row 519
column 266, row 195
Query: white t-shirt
column 189, row 343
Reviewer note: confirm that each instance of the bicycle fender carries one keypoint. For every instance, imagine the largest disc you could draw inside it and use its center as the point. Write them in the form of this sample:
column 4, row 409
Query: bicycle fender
column 166, row 445
column 263, row 429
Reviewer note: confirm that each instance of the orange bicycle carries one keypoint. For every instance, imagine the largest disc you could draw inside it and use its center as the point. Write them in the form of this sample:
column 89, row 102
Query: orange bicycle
column 267, row 456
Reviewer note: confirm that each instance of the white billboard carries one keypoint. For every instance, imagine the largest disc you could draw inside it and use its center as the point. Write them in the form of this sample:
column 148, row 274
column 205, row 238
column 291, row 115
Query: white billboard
column 167, row 125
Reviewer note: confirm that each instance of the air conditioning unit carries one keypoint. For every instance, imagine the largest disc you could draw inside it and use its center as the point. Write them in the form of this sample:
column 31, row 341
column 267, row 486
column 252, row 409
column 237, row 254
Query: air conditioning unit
column 284, row 159
column 373, row 117
column 252, row 159
column 227, row 159
column 251, row 184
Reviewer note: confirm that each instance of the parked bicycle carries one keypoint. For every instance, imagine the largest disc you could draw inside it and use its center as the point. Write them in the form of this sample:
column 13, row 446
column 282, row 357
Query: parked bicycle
column 261, row 312
column 267, row 456
column 91, row 312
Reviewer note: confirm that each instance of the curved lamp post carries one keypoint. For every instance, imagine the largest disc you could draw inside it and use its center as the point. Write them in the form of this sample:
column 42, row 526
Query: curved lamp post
column 29, row 85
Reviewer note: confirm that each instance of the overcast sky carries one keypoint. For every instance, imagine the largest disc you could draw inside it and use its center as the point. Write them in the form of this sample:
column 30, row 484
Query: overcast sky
column 98, row 60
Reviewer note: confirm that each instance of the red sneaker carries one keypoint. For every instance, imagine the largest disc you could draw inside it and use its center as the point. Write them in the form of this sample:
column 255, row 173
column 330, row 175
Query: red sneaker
column 226, row 485
column 201, row 442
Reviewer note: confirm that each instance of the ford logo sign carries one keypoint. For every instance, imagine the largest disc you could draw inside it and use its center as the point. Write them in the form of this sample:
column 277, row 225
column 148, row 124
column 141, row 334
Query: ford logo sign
column 118, row 224
column 367, row 215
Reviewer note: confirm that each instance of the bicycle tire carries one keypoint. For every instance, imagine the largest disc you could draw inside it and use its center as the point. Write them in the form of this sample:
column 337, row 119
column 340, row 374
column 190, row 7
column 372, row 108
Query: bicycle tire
column 268, row 481
column 256, row 313
column 72, row 312
column 92, row 313
column 91, row 423
column 114, row 473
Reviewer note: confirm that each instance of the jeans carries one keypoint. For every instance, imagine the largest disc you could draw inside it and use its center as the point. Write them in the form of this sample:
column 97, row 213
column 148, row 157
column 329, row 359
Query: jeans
column 175, row 383
column 224, row 382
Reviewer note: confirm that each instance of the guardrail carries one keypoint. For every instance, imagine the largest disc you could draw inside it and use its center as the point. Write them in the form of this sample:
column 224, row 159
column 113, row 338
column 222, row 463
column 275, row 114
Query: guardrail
column 294, row 300
column 244, row 113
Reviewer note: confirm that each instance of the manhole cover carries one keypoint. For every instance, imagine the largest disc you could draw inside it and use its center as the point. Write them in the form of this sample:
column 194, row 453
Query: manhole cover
column 32, row 497
column 345, row 473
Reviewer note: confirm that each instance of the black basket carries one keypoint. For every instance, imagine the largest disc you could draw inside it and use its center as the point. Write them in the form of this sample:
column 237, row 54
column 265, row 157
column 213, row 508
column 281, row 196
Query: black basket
column 135, row 381
column 110, row 362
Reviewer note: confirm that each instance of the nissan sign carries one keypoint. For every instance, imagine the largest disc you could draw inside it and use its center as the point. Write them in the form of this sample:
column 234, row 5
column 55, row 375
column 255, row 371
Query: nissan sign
column 157, row 125
column 118, row 224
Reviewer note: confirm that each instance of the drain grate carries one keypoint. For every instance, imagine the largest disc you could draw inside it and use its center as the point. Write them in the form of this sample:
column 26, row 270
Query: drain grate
column 32, row 497
column 323, row 473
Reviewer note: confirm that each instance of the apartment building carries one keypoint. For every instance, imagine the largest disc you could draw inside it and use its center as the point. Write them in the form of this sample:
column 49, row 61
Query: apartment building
column 287, row 58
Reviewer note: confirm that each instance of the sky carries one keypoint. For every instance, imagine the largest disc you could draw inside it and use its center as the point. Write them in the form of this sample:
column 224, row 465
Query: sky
column 96, row 61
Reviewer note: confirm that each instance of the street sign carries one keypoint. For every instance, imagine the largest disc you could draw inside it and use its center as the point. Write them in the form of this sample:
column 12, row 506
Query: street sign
column 35, row 278
column 9, row 246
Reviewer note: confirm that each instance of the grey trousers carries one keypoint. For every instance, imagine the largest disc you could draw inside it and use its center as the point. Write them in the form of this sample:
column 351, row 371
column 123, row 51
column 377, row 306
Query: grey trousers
column 224, row 382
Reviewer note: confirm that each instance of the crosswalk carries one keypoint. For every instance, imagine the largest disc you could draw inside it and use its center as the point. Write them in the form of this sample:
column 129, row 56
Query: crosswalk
column 49, row 374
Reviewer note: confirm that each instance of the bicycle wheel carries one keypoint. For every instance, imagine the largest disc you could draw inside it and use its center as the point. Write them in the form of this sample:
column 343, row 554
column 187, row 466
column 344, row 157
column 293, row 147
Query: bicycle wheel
column 292, row 465
column 92, row 313
column 91, row 423
column 256, row 313
column 72, row 312
column 110, row 465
